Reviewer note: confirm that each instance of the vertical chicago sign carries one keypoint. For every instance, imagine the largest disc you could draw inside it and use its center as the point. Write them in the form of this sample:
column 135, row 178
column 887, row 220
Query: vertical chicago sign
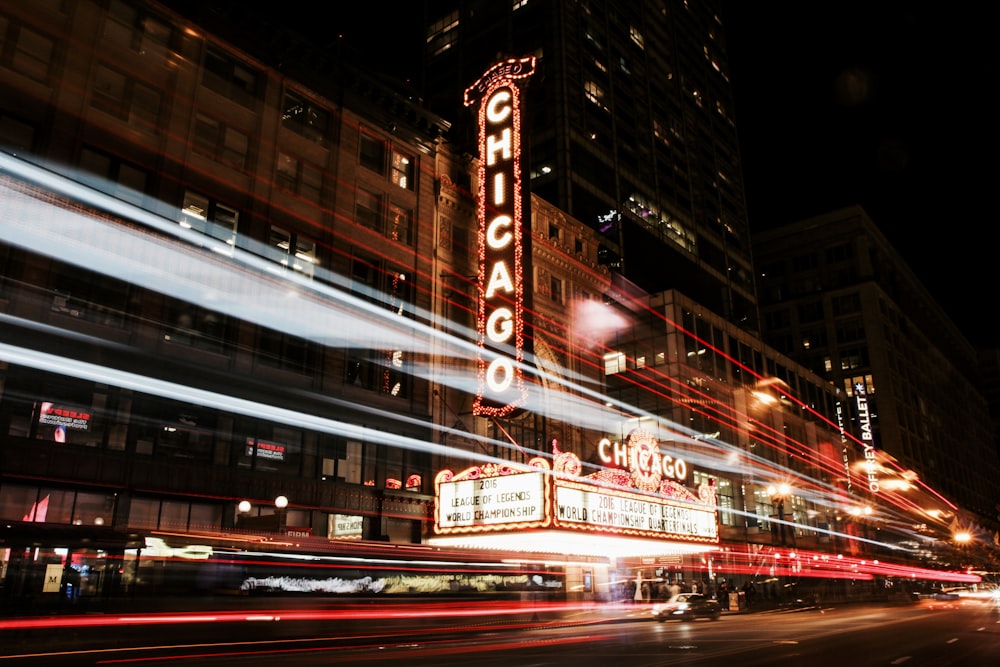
column 504, row 245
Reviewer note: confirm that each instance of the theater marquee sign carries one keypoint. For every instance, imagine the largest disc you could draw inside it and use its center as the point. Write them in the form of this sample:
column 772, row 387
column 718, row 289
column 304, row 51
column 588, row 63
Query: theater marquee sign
column 554, row 496
column 504, row 247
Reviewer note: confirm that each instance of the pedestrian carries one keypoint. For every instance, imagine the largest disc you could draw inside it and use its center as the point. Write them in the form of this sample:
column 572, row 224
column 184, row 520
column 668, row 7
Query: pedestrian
column 71, row 583
column 724, row 595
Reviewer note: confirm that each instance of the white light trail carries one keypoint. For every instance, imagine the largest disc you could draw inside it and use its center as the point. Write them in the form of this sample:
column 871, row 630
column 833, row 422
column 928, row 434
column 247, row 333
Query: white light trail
column 158, row 254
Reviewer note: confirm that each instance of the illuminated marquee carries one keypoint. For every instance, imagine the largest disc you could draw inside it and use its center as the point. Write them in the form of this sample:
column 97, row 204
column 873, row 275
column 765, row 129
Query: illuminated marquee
column 503, row 204
column 583, row 507
column 345, row 526
column 507, row 499
column 483, row 498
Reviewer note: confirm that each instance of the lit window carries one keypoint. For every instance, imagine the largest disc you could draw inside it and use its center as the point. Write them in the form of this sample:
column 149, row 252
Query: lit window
column 636, row 36
column 614, row 362
column 402, row 170
column 595, row 94
column 292, row 250
column 400, row 223
column 214, row 220
column 443, row 33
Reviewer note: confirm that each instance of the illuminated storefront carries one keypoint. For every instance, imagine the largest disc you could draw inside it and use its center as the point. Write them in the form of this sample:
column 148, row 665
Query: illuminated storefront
column 549, row 507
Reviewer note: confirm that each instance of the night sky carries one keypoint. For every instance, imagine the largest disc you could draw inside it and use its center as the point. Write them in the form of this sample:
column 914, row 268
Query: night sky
column 883, row 104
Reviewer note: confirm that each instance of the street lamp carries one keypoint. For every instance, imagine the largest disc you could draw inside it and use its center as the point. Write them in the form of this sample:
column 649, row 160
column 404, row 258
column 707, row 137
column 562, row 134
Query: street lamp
column 778, row 495
column 275, row 522
column 280, row 503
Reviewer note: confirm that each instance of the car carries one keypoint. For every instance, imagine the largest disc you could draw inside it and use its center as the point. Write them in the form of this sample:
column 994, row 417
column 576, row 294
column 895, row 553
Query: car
column 687, row 607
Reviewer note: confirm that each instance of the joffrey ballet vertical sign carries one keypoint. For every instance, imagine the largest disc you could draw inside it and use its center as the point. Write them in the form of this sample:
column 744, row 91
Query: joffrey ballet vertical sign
column 867, row 436
column 504, row 245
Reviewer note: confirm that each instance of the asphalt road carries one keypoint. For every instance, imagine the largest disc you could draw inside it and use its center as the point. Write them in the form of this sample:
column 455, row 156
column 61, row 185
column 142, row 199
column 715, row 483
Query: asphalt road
column 963, row 633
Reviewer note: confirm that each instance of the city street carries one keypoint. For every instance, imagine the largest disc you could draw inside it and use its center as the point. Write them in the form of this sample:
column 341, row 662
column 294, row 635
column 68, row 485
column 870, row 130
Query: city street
column 965, row 632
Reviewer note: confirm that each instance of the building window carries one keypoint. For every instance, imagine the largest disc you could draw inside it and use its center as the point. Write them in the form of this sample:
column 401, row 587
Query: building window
column 16, row 134
column 113, row 176
column 368, row 210
column 400, row 224
column 220, row 142
column 304, row 117
column 384, row 370
column 282, row 350
column 198, row 327
column 810, row 312
column 401, row 170
column 863, row 380
column 272, row 448
column 777, row 319
column 595, row 94
column 292, row 250
column 230, row 77
column 443, row 33
column 854, row 359
column 805, row 262
column 214, row 220
column 64, row 410
column 177, row 431
column 556, row 286
column 32, row 52
column 614, row 362
column 126, row 99
column 850, row 331
column 840, row 253
column 50, row 505
column 299, row 176
column 636, row 36
column 846, row 304
column 92, row 297
column 372, row 154
column 137, row 30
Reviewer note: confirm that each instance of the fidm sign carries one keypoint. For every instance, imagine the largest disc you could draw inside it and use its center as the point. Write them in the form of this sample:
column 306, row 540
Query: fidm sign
column 504, row 247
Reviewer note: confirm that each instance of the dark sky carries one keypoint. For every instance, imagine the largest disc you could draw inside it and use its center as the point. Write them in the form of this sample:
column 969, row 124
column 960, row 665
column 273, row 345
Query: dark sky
column 883, row 104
